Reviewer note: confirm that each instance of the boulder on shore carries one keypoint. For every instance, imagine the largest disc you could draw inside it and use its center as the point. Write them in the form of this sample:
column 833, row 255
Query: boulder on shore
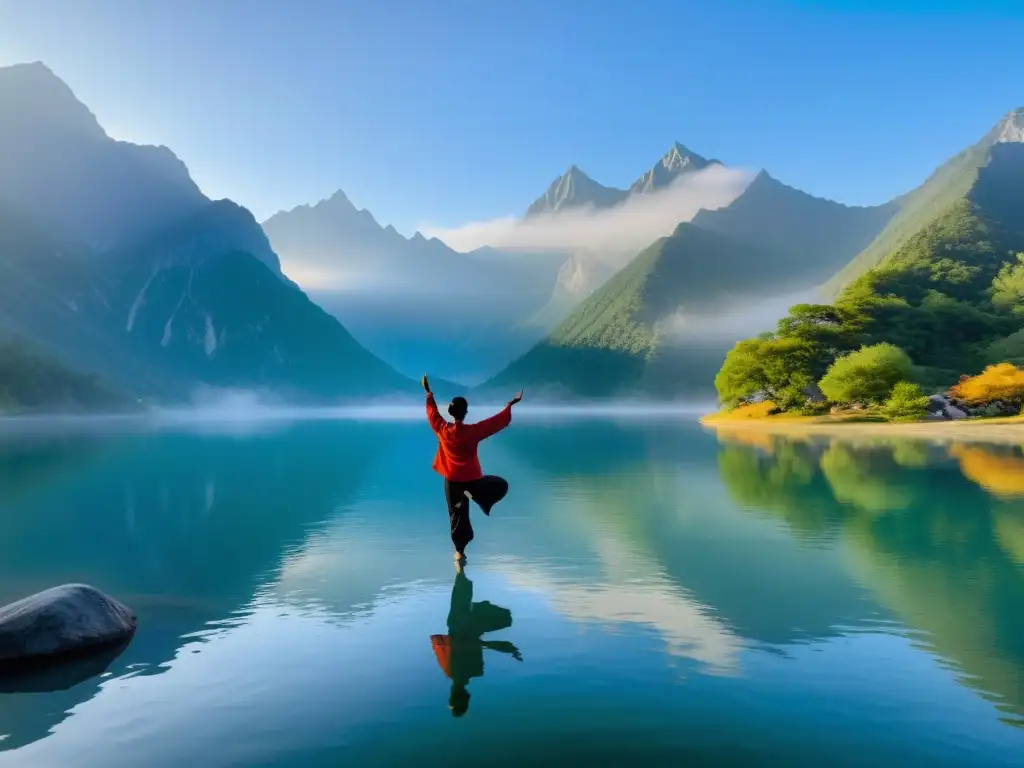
column 941, row 406
column 65, row 619
column 952, row 412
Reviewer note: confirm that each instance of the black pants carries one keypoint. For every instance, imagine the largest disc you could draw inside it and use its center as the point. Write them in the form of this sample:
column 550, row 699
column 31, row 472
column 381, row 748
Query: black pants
column 486, row 492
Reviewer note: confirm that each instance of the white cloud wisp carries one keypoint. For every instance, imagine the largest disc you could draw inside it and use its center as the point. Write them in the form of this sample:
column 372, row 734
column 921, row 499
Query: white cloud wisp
column 628, row 227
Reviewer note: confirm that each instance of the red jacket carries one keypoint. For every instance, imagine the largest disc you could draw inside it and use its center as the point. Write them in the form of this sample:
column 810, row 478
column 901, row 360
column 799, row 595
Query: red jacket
column 456, row 457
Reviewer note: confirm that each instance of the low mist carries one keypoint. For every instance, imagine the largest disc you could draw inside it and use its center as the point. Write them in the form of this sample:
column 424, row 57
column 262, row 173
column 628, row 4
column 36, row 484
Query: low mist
column 240, row 407
column 731, row 319
column 242, row 413
column 630, row 226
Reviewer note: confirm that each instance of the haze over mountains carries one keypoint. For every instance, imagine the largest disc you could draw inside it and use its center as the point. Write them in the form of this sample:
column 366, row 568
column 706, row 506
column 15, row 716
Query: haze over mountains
column 415, row 301
column 114, row 263
column 935, row 271
column 465, row 313
column 58, row 164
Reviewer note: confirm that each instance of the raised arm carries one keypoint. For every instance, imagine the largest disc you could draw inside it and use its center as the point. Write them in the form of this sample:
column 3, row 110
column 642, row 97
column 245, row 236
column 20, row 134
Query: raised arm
column 484, row 429
column 434, row 417
column 493, row 425
column 437, row 421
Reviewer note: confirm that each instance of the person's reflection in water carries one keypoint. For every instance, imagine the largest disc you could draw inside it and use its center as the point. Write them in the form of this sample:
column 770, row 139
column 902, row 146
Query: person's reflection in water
column 461, row 652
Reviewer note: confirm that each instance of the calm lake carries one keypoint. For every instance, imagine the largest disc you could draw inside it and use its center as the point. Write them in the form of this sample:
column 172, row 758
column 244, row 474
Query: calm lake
column 647, row 592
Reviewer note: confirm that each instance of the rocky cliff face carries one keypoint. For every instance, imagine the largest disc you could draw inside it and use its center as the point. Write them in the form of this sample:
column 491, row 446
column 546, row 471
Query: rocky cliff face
column 1011, row 129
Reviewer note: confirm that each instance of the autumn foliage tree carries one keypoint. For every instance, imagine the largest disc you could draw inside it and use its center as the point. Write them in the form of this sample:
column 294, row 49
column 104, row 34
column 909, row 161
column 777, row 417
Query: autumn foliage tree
column 1003, row 382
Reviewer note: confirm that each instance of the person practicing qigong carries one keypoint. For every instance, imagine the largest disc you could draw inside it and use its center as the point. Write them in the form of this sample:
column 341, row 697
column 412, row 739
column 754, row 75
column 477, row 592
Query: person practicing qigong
column 457, row 462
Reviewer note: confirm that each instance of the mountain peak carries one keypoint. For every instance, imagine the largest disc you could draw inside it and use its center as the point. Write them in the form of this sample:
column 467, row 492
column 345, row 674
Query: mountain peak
column 678, row 150
column 32, row 95
column 574, row 189
column 677, row 161
column 678, row 155
column 339, row 200
column 35, row 69
column 1011, row 128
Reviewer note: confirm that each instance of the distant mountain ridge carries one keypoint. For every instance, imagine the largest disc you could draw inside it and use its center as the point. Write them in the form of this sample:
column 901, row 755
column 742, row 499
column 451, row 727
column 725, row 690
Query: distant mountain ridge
column 314, row 230
column 575, row 189
column 58, row 164
column 950, row 182
column 772, row 240
column 807, row 233
column 943, row 282
column 414, row 301
column 114, row 262
column 613, row 344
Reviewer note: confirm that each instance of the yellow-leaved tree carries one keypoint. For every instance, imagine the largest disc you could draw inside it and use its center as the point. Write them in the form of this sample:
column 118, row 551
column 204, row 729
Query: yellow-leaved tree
column 1003, row 382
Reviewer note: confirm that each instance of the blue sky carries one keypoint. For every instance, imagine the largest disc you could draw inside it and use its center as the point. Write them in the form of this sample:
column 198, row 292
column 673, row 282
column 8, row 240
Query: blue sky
column 449, row 111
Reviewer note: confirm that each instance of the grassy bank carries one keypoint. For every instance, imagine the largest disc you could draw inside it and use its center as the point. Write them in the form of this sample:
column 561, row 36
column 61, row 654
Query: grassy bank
column 1007, row 430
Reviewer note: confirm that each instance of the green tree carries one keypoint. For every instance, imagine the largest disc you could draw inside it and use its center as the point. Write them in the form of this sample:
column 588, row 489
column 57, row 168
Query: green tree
column 779, row 368
column 831, row 330
column 1009, row 349
column 867, row 375
column 907, row 403
column 1008, row 287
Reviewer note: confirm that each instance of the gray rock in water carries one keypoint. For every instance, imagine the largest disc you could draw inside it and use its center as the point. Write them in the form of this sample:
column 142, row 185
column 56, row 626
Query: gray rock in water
column 65, row 619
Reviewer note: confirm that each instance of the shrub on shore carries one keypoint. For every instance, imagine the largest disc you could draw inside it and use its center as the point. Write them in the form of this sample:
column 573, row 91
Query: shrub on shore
column 867, row 375
column 907, row 403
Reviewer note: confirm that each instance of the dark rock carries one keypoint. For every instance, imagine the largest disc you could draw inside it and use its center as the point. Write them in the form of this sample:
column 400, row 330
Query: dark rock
column 996, row 408
column 952, row 412
column 941, row 406
column 66, row 619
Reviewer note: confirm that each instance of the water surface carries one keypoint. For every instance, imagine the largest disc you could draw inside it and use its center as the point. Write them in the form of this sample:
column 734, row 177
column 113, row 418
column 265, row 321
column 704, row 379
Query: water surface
column 646, row 592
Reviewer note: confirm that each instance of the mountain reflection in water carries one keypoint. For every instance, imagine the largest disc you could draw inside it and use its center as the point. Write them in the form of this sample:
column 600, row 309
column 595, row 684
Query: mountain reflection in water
column 667, row 585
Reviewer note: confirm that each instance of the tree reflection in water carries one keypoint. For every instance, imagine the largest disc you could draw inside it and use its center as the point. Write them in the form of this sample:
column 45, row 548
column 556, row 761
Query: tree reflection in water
column 937, row 533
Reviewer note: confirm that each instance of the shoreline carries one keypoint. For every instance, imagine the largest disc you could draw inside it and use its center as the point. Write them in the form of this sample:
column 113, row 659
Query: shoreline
column 1004, row 431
